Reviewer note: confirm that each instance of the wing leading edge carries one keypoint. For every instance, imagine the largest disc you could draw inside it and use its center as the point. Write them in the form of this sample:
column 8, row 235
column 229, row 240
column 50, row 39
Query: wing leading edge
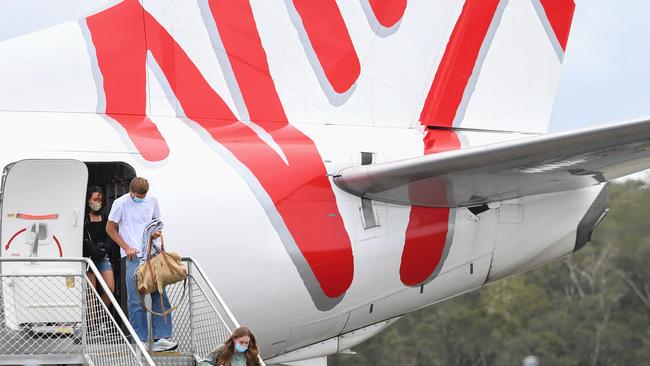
column 535, row 165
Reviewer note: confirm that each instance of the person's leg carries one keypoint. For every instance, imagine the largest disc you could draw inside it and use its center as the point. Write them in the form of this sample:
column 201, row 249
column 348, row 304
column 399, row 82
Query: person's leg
column 137, row 314
column 161, row 328
column 110, row 282
column 91, row 279
column 89, row 313
column 106, row 270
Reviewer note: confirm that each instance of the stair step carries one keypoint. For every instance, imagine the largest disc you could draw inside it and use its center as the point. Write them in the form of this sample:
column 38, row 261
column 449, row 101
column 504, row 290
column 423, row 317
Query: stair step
column 173, row 358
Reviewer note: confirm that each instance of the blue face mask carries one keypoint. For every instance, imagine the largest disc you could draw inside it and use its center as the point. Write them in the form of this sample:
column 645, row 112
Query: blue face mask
column 137, row 199
column 239, row 348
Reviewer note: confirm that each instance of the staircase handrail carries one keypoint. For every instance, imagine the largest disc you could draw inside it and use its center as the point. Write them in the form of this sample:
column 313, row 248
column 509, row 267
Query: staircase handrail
column 215, row 293
column 89, row 263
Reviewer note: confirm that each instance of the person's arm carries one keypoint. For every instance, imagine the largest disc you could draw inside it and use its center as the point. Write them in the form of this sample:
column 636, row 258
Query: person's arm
column 111, row 230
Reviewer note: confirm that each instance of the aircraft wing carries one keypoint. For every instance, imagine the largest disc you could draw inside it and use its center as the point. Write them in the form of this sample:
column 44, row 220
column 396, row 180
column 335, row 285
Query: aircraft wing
column 534, row 165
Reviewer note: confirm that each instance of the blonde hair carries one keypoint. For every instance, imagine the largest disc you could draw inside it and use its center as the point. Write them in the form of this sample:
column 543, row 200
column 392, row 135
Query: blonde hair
column 139, row 185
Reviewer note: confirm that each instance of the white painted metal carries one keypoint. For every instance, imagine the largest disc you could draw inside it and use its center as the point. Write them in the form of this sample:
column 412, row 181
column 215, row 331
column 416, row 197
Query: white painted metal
column 42, row 217
column 547, row 232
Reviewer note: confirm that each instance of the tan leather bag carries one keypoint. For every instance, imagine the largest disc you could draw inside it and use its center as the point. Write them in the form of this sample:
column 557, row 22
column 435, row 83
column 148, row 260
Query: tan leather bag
column 155, row 273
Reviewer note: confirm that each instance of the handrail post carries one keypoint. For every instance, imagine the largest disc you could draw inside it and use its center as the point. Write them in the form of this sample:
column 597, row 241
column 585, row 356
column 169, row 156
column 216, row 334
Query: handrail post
column 191, row 307
column 84, row 305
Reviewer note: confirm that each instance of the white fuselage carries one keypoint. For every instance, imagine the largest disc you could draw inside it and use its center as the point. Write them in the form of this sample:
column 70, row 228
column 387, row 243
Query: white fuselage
column 211, row 214
column 239, row 113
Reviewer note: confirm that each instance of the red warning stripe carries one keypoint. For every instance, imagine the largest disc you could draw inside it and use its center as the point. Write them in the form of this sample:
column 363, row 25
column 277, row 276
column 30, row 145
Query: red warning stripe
column 56, row 240
column 37, row 217
column 458, row 63
column 58, row 245
column 13, row 237
column 560, row 16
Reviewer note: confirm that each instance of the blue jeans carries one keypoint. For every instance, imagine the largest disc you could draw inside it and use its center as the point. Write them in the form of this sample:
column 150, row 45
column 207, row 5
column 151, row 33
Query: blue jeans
column 137, row 313
column 104, row 265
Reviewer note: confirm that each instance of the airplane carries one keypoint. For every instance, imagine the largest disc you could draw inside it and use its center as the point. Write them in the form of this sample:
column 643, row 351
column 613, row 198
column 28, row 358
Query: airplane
column 332, row 165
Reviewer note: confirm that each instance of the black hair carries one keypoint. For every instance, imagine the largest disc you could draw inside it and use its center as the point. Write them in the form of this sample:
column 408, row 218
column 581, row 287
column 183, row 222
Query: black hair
column 89, row 193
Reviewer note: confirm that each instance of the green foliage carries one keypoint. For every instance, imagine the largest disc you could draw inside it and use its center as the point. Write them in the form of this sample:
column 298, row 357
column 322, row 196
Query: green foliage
column 591, row 308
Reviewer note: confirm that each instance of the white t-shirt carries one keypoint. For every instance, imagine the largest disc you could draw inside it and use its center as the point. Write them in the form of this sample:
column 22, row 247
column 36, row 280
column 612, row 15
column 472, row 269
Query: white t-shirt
column 133, row 218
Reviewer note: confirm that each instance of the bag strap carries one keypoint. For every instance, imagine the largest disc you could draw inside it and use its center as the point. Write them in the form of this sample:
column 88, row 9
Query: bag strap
column 150, row 245
column 162, row 243
column 153, row 275
column 165, row 312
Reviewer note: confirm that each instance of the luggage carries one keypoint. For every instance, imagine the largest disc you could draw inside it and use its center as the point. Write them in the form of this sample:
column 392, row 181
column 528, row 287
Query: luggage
column 155, row 273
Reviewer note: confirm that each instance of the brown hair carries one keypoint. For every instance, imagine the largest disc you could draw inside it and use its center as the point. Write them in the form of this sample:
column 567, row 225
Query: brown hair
column 139, row 185
column 251, row 354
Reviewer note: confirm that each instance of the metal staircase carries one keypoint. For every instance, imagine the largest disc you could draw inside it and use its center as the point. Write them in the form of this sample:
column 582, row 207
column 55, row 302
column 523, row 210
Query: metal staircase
column 51, row 314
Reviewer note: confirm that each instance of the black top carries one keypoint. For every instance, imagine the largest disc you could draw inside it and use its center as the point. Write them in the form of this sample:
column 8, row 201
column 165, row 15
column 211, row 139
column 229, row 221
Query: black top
column 97, row 230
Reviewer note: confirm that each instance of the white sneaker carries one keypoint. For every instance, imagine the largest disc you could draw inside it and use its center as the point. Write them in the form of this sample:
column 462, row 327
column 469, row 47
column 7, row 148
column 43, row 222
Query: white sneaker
column 163, row 345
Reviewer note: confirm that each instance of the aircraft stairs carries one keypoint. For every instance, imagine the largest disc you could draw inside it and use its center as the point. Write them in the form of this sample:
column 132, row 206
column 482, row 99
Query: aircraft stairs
column 51, row 314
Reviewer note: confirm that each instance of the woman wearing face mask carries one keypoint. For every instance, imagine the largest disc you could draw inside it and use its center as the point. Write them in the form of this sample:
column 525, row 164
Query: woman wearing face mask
column 240, row 349
column 96, row 241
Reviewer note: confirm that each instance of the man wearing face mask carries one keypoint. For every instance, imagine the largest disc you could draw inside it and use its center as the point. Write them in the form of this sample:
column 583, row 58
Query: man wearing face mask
column 131, row 213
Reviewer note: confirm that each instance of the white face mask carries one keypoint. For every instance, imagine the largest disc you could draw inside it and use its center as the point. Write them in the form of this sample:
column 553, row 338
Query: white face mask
column 94, row 205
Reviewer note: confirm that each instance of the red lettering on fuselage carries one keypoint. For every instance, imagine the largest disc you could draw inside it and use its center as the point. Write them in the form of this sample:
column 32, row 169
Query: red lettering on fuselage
column 426, row 234
column 331, row 42
column 560, row 15
column 388, row 12
column 458, row 63
column 300, row 190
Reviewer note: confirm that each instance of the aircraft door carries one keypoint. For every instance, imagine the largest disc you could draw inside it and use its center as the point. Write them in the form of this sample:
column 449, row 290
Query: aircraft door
column 42, row 212
column 42, row 215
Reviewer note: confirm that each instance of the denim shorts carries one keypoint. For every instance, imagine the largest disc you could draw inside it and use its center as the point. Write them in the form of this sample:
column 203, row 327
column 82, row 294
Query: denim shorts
column 104, row 265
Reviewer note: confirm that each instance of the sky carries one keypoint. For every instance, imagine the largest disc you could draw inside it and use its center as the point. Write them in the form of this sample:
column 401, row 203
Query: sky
column 606, row 72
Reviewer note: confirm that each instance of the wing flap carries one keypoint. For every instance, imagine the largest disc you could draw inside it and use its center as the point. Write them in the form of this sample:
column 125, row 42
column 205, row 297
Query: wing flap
column 534, row 165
